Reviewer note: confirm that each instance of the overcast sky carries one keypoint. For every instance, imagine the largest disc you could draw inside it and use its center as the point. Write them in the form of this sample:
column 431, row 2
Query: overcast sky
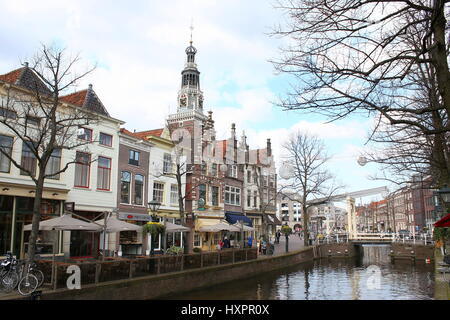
column 138, row 47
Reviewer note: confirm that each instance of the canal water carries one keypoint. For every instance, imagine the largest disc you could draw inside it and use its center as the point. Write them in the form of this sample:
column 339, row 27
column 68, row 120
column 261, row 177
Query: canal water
column 371, row 276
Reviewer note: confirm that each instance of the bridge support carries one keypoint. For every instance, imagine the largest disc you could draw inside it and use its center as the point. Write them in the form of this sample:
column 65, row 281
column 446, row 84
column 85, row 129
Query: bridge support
column 351, row 218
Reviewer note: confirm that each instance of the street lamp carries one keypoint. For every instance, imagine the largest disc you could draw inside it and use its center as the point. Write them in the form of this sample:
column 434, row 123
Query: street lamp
column 444, row 195
column 154, row 207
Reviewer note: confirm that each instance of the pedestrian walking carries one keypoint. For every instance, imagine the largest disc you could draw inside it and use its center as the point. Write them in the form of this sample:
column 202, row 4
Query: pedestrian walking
column 277, row 236
column 226, row 242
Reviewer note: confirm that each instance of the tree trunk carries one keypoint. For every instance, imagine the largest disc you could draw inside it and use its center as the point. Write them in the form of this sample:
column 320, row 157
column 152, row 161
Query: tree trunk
column 36, row 218
column 305, row 224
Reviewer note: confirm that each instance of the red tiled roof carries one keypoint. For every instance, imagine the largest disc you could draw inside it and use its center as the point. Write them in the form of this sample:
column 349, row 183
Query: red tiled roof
column 129, row 133
column 145, row 134
column 12, row 76
column 25, row 78
column 86, row 99
column 76, row 98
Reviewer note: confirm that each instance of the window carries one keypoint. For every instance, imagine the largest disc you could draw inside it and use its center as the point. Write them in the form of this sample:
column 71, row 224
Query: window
column 232, row 171
column 105, row 139
column 204, row 168
column 133, row 158
column 249, row 176
column 167, row 163
column 8, row 113
column 232, row 195
column 28, row 158
column 214, row 169
column 54, row 164
column 249, row 198
column 255, row 199
column 125, row 187
column 104, row 173
column 82, row 169
column 215, row 196
column 158, row 191
column 197, row 239
column 138, row 189
column 202, row 192
column 34, row 121
column 6, row 143
column 84, row 134
column 174, row 194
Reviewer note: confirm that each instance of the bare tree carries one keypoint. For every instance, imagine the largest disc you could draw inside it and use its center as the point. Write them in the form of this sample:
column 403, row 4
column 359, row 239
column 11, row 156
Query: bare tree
column 307, row 157
column 355, row 55
column 35, row 116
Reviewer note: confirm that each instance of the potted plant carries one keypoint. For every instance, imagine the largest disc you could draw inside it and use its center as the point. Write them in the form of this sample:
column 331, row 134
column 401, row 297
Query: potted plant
column 441, row 235
column 154, row 229
column 286, row 230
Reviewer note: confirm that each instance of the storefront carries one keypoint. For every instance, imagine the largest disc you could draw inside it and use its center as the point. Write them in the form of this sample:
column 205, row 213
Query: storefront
column 15, row 213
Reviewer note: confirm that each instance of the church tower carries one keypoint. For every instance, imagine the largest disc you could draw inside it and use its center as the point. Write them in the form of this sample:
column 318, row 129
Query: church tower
column 190, row 97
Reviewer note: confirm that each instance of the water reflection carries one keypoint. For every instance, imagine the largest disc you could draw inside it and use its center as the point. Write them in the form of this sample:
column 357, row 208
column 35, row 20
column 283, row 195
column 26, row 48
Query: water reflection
column 332, row 280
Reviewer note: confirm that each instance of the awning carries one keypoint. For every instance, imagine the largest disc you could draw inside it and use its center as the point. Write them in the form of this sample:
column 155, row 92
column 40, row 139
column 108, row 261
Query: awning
column 172, row 227
column 444, row 222
column 232, row 218
column 115, row 225
column 222, row 226
column 65, row 222
column 272, row 219
column 243, row 227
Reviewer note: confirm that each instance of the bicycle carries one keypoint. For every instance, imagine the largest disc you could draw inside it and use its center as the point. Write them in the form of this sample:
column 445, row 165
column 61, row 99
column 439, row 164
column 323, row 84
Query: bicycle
column 13, row 275
column 28, row 283
column 8, row 276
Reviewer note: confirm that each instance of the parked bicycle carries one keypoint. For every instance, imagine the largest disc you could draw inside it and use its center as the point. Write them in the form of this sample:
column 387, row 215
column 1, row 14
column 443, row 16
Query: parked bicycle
column 14, row 275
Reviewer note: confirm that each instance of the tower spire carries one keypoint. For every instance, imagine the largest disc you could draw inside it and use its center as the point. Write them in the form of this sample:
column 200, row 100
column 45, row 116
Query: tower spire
column 192, row 29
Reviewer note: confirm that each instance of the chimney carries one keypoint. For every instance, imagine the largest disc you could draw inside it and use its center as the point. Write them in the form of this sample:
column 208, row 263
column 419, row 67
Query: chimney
column 26, row 64
column 269, row 148
column 233, row 130
column 90, row 86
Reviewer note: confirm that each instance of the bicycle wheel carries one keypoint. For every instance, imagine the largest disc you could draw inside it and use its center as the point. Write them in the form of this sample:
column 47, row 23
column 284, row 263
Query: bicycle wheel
column 9, row 281
column 39, row 275
column 27, row 284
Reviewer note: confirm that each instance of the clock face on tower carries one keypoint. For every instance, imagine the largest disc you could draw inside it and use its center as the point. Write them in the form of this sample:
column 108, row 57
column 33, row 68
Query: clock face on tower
column 183, row 99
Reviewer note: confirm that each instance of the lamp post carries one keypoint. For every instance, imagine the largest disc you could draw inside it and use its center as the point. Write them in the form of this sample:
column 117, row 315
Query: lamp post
column 153, row 208
column 444, row 195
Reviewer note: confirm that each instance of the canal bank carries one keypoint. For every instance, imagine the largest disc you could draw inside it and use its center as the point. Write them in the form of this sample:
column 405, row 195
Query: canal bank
column 175, row 283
